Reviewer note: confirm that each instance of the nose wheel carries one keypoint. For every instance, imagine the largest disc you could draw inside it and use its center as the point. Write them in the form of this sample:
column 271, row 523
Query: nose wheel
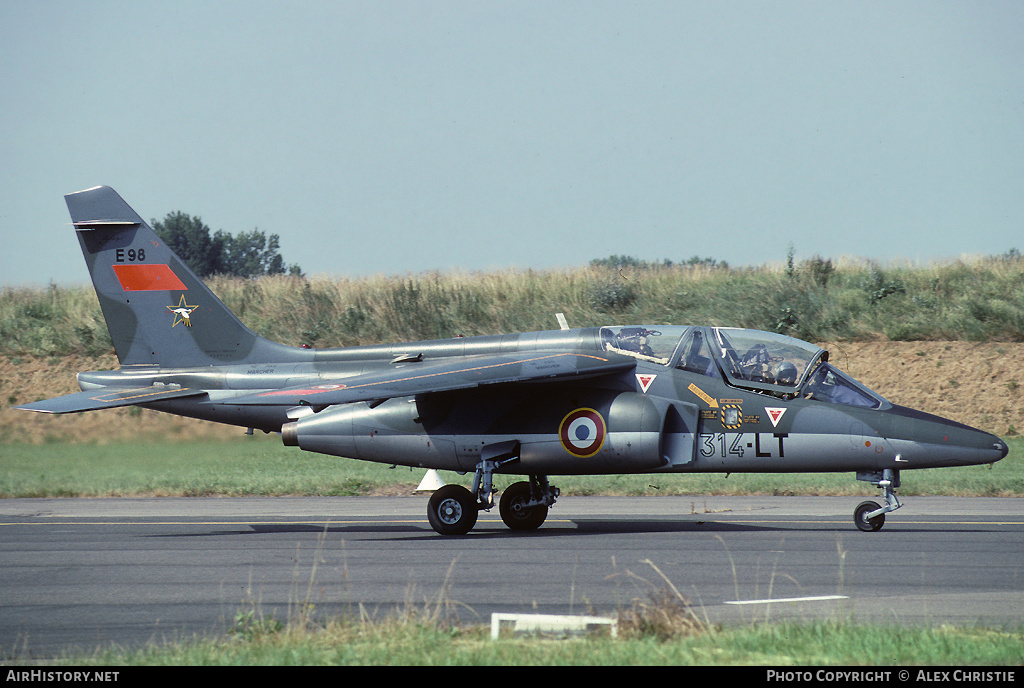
column 869, row 516
column 865, row 522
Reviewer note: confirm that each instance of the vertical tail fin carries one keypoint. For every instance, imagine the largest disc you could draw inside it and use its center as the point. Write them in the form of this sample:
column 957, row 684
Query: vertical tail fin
column 157, row 311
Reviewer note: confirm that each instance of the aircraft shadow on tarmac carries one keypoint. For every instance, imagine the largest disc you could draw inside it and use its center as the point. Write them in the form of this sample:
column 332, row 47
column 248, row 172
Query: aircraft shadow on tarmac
column 582, row 527
column 496, row 530
column 489, row 530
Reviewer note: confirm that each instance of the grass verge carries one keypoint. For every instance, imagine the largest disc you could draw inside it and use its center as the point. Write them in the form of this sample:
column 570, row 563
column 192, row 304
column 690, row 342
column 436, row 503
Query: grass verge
column 262, row 466
column 662, row 631
column 789, row 644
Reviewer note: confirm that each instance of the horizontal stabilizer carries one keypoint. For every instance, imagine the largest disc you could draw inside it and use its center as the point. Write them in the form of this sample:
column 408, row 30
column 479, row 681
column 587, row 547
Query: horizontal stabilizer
column 100, row 207
column 105, row 224
column 108, row 397
column 447, row 375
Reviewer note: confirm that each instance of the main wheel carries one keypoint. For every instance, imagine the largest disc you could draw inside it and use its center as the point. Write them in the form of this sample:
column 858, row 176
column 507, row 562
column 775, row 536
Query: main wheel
column 860, row 517
column 452, row 510
column 513, row 512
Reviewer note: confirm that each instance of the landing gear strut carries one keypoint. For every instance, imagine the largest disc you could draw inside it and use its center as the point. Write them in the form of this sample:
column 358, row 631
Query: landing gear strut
column 869, row 516
column 453, row 510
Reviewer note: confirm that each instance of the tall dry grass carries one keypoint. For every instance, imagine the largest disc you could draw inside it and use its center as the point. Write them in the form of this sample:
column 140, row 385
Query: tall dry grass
column 977, row 299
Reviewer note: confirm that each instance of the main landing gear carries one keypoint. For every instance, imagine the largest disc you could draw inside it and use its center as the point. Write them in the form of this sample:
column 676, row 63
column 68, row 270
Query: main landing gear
column 869, row 516
column 453, row 510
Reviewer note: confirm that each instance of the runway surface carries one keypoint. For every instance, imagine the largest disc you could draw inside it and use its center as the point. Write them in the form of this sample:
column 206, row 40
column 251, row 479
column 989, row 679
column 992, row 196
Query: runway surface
column 85, row 573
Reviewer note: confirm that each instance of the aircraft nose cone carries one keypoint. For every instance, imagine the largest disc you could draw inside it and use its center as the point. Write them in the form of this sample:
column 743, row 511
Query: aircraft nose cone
column 942, row 442
column 1000, row 447
column 983, row 447
column 986, row 448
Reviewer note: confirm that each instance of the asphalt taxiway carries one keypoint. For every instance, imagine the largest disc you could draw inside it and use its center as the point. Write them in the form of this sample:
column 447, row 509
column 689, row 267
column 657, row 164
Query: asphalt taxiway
column 89, row 572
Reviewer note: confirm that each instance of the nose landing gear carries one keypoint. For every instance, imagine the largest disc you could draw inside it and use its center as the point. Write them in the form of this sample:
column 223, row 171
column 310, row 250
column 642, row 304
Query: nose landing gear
column 869, row 516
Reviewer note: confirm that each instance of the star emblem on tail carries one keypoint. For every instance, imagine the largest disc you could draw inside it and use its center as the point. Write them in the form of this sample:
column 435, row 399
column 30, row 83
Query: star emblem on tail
column 182, row 312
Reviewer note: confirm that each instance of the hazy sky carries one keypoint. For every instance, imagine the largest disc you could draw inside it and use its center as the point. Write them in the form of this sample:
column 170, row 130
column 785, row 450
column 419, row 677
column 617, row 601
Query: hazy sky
column 395, row 137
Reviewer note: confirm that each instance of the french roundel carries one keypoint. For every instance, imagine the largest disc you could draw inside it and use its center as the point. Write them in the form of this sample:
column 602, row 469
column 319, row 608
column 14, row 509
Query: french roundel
column 582, row 432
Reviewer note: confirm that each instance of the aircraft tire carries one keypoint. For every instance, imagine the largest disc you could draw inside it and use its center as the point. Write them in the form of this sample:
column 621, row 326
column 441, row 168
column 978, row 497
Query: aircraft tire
column 452, row 510
column 868, row 525
column 516, row 516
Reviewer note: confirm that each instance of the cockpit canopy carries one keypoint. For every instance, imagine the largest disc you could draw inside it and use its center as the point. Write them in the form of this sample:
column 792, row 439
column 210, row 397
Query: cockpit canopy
column 751, row 359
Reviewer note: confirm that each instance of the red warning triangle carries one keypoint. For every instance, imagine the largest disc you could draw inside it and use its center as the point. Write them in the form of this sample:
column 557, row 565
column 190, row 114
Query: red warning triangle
column 774, row 414
column 645, row 381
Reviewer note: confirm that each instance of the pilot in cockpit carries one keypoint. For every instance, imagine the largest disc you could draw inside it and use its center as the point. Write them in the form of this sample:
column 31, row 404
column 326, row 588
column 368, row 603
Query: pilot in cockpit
column 785, row 374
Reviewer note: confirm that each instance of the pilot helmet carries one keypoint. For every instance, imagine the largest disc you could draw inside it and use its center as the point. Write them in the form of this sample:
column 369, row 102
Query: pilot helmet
column 785, row 373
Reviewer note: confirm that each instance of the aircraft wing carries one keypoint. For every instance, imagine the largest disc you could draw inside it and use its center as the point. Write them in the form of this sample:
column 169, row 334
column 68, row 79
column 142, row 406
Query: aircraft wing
column 108, row 397
column 463, row 373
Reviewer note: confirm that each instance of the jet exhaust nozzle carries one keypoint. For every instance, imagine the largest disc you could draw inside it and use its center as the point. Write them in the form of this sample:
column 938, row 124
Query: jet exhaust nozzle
column 290, row 434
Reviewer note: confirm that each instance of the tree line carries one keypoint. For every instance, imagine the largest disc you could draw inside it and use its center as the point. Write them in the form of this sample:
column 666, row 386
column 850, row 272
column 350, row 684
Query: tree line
column 246, row 254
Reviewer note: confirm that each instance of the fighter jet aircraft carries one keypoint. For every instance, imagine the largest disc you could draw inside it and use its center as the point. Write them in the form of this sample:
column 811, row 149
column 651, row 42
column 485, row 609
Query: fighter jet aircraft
column 593, row 400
